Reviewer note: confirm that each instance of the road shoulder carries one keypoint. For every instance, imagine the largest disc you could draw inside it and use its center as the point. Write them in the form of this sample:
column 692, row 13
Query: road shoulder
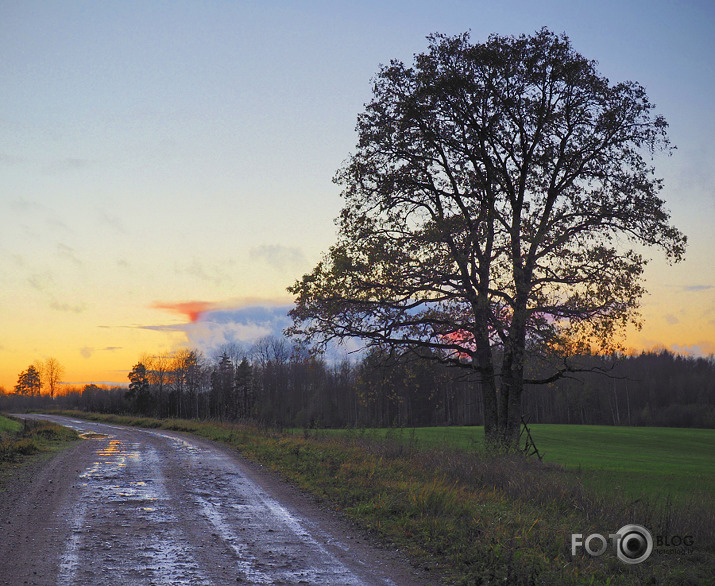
column 31, row 494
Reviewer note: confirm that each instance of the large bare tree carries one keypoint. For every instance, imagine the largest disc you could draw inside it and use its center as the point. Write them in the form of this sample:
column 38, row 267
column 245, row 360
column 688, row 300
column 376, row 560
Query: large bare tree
column 498, row 203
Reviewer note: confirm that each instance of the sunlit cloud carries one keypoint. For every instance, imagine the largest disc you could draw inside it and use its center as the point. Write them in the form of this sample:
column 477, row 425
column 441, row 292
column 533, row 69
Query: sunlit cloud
column 242, row 323
column 212, row 325
column 191, row 309
column 701, row 349
column 211, row 336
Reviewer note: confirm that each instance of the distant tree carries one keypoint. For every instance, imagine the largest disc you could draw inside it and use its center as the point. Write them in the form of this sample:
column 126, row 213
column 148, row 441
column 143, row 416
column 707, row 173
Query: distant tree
column 52, row 374
column 222, row 388
column 138, row 392
column 29, row 382
column 158, row 368
column 245, row 395
column 190, row 378
column 491, row 210
column 177, row 377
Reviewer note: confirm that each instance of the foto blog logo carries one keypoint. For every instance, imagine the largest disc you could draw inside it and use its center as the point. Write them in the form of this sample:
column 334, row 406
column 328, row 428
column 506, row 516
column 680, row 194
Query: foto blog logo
column 633, row 543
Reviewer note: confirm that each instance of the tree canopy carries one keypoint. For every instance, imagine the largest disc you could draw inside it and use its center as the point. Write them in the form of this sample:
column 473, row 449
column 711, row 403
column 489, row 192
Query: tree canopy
column 498, row 203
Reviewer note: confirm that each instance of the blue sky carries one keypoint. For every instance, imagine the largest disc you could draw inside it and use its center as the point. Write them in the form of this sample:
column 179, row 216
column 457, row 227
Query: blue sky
column 155, row 153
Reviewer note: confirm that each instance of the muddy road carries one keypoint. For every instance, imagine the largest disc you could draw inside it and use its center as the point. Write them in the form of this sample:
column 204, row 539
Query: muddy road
column 132, row 506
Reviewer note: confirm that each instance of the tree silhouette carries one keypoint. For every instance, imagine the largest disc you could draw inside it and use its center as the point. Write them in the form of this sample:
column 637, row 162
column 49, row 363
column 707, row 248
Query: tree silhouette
column 491, row 210
column 29, row 382
column 138, row 392
column 53, row 372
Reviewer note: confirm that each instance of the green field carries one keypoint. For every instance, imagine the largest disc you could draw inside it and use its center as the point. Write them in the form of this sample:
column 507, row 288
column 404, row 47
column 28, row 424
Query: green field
column 638, row 462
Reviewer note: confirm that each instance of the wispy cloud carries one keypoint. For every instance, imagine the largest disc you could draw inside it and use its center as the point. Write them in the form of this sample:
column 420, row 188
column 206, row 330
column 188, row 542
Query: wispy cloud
column 697, row 287
column 205, row 272
column 671, row 319
column 277, row 256
column 112, row 221
column 181, row 328
column 88, row 352
column 41, row 282
column 20, row 204
column 45, row 283
column 10, row 160
column 68, row 253
column 68, row 164
column 67, row 307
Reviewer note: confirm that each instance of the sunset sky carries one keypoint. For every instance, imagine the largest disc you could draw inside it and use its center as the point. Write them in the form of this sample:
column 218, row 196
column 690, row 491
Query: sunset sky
column 166, row 167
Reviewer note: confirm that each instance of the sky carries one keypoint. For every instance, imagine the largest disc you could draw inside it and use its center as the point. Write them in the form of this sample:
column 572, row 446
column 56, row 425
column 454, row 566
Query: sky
column 166, row 167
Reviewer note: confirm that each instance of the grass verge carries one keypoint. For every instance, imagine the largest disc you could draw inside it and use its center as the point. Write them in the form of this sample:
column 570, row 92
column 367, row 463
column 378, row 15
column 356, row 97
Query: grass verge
column 471, row 517
column 20, row 439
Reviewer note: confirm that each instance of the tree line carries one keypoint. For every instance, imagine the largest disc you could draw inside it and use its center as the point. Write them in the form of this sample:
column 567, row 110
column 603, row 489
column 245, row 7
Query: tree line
column 279, row 384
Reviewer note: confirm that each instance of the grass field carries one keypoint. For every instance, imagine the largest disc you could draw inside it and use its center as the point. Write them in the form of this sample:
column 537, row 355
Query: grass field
column 638, row 462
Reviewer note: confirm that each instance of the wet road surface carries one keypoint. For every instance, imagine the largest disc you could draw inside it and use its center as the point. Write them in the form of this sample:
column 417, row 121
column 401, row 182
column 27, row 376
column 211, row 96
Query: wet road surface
column 155, row 507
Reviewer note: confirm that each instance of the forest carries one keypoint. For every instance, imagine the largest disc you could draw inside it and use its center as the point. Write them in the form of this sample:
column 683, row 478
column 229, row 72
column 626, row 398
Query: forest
column 277, row 384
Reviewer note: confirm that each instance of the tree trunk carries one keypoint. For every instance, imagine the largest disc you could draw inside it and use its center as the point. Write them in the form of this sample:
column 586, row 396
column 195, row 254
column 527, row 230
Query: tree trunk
column 512, row 383
column 489, row 395
column 509, row 424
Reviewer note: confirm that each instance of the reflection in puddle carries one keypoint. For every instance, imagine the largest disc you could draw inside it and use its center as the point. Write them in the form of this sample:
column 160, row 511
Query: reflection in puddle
column 125, row 526
column 112, row 477
column 92, row 435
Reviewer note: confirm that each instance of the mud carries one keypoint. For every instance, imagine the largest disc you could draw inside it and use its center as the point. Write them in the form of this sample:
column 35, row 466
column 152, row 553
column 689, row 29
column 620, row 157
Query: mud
column 131, row 506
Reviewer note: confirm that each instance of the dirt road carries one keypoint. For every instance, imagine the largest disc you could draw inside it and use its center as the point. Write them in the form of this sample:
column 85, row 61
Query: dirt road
column 130, row 506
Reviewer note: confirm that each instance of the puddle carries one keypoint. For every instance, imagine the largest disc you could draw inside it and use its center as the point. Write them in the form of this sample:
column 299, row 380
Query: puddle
column 92, row 435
